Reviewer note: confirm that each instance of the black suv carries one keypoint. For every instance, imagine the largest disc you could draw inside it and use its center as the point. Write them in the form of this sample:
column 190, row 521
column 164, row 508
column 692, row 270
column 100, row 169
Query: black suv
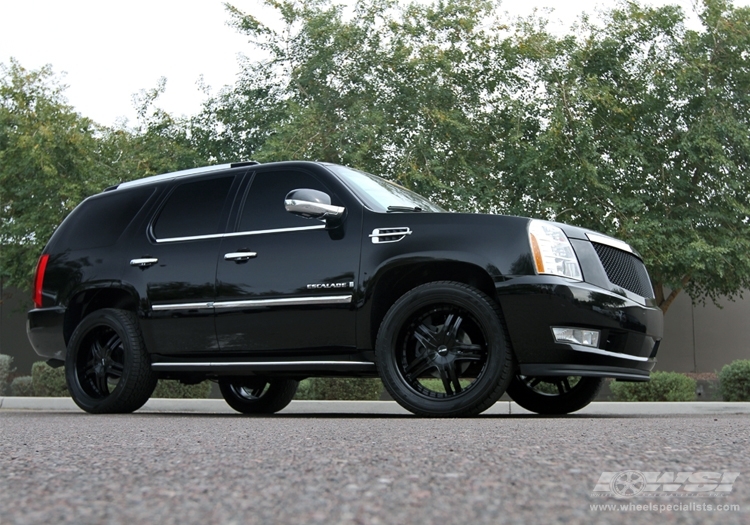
column 260, row 275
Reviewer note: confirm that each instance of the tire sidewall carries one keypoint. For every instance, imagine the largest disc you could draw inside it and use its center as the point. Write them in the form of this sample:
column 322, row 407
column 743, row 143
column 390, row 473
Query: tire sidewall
column 582, row 394
column 482, row 311
column 114, row 401
column 279, row 394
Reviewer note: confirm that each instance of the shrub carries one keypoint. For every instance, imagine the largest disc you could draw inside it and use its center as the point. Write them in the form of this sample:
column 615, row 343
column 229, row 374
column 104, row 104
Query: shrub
column 22, row 386
column 173, row 389
column 664, row 386
column 47, row 381
column 5, row 370
column 734, row 381
column 340, row 388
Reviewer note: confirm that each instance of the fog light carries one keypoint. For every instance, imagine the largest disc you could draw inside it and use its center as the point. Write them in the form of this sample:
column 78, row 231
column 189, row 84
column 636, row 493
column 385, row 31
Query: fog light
column 576, row 336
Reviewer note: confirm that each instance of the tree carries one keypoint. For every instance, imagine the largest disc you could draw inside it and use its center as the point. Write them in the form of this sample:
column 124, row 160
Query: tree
column 646, row 138
column 157, row 143
column 413, row 93
column 51, row 158
column 47, row 165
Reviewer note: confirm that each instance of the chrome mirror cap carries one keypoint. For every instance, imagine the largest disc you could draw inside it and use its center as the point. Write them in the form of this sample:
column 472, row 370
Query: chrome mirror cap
column 312, row 204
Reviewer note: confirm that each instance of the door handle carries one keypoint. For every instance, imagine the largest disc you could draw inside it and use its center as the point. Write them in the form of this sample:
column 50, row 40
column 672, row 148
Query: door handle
column 239, row 256
column 144, row 262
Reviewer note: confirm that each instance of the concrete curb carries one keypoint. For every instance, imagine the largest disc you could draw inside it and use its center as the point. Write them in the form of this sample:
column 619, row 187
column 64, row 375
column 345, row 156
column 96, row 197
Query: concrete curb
column 360, row 408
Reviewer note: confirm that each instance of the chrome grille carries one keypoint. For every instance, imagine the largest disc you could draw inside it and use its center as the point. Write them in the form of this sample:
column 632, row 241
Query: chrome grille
column 625, row 270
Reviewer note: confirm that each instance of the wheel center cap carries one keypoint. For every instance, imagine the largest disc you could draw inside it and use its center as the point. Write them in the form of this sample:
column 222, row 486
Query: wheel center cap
column 442, row 350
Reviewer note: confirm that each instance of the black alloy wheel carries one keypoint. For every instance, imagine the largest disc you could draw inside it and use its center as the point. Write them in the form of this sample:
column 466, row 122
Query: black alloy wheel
column 442, row 351
column 554, row 394
column 258, row 395
column 107, row 368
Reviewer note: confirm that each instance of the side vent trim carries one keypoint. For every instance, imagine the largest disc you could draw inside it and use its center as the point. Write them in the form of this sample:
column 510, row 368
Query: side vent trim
column 384, row 235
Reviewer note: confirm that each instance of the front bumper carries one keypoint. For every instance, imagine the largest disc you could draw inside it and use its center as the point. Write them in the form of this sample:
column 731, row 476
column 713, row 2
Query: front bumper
column 44, row 327
column 630, row 330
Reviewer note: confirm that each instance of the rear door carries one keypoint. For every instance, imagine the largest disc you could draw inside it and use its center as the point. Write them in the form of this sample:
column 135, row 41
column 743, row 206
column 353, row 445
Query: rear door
column 173, row 264
column 286, row 282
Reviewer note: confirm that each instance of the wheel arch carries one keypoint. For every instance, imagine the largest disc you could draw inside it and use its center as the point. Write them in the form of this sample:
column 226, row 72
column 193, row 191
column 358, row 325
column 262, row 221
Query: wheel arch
column 397, row 279
column 86, row 301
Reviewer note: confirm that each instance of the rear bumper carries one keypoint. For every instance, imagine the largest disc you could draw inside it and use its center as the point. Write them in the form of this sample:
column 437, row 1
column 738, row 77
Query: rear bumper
column 44, row 327
column 630, row 332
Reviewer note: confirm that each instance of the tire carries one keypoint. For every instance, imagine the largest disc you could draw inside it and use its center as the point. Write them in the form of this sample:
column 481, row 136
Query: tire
column 538, row 394
column 107, row 368
column 442, row 351
column 258, row 395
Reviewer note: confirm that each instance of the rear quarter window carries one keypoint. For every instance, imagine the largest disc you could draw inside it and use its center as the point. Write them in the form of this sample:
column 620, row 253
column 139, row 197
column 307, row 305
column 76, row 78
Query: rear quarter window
column 100, row 220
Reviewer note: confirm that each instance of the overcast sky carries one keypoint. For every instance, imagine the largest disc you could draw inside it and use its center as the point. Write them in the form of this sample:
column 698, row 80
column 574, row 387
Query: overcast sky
column 112, row 50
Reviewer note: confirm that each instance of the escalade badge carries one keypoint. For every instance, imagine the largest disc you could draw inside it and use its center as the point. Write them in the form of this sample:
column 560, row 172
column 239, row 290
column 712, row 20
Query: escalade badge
column 327, row 286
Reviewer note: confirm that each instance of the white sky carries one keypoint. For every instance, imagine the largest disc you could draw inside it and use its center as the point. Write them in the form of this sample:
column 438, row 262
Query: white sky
column 109, row 51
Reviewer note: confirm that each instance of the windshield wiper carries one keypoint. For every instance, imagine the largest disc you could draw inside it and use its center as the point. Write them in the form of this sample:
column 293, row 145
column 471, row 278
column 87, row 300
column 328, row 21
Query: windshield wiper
column 404, row 208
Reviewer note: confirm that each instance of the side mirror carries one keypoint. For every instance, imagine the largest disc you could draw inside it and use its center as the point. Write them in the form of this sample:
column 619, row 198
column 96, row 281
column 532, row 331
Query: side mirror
column 313, row 204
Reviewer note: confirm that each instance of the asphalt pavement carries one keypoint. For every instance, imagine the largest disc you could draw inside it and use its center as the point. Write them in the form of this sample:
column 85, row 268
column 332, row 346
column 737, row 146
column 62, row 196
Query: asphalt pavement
column 218, row 406
column 195, row 461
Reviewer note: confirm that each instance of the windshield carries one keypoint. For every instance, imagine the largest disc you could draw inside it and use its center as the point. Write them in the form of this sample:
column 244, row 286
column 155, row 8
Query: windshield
column 381, row 195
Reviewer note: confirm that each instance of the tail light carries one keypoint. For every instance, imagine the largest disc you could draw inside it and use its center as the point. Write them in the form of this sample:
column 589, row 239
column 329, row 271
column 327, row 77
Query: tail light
column 41, row 267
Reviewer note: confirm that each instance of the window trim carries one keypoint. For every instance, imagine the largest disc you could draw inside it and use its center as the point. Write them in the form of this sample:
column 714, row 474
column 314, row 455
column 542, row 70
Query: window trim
column 239, row 234
column 226, row 206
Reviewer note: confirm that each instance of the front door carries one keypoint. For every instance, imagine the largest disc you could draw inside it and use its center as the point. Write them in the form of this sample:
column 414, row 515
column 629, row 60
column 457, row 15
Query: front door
column 286, row 283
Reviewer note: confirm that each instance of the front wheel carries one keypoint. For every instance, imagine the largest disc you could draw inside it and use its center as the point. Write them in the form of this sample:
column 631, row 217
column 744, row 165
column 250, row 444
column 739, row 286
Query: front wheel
column 258, row 395
column 107, row 368
column 442, row 351
column 554, row 395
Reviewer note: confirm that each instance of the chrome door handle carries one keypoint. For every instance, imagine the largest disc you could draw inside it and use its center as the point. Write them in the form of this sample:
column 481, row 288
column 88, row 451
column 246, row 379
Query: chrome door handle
column 144, row 262
column 239, row 256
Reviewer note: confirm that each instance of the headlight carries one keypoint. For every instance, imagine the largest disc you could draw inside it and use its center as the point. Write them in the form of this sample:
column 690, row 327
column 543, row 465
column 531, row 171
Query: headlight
column 552, row 251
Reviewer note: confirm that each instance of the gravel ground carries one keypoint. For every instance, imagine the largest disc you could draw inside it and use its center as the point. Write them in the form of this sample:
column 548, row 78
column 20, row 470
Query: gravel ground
column 226, row 469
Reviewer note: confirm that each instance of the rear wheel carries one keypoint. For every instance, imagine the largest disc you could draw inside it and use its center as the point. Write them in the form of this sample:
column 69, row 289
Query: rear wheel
column 107, row 368
column 554, row 395
column 258, row 395
column 442, row 351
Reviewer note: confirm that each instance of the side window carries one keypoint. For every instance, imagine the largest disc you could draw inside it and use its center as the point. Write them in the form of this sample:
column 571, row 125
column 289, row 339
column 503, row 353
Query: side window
column 99, row 221
column 264, row 205
column 193, row 208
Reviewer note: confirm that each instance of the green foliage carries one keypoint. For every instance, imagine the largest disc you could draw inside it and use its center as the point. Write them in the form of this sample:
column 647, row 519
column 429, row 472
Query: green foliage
column 734, row 381
column 168, row 388
column 47, row 381
column 48, row 165
column 339, row 388
column 22, row 386
column 633, row 125
column 51, row 158
column 663, row 386
column 5, row 369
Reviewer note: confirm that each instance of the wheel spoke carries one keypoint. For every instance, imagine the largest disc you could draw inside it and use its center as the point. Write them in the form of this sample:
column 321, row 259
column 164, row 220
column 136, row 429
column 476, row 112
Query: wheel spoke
column 419, row 366
column 115, row 369
column 450, row 380
column 451, row 368
column 96, row 351
column 425, row 336
column 450, row 328
column 468, row 352
column 112, row 344
column 88, row 369
column 533, row 381
column 101, row 383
